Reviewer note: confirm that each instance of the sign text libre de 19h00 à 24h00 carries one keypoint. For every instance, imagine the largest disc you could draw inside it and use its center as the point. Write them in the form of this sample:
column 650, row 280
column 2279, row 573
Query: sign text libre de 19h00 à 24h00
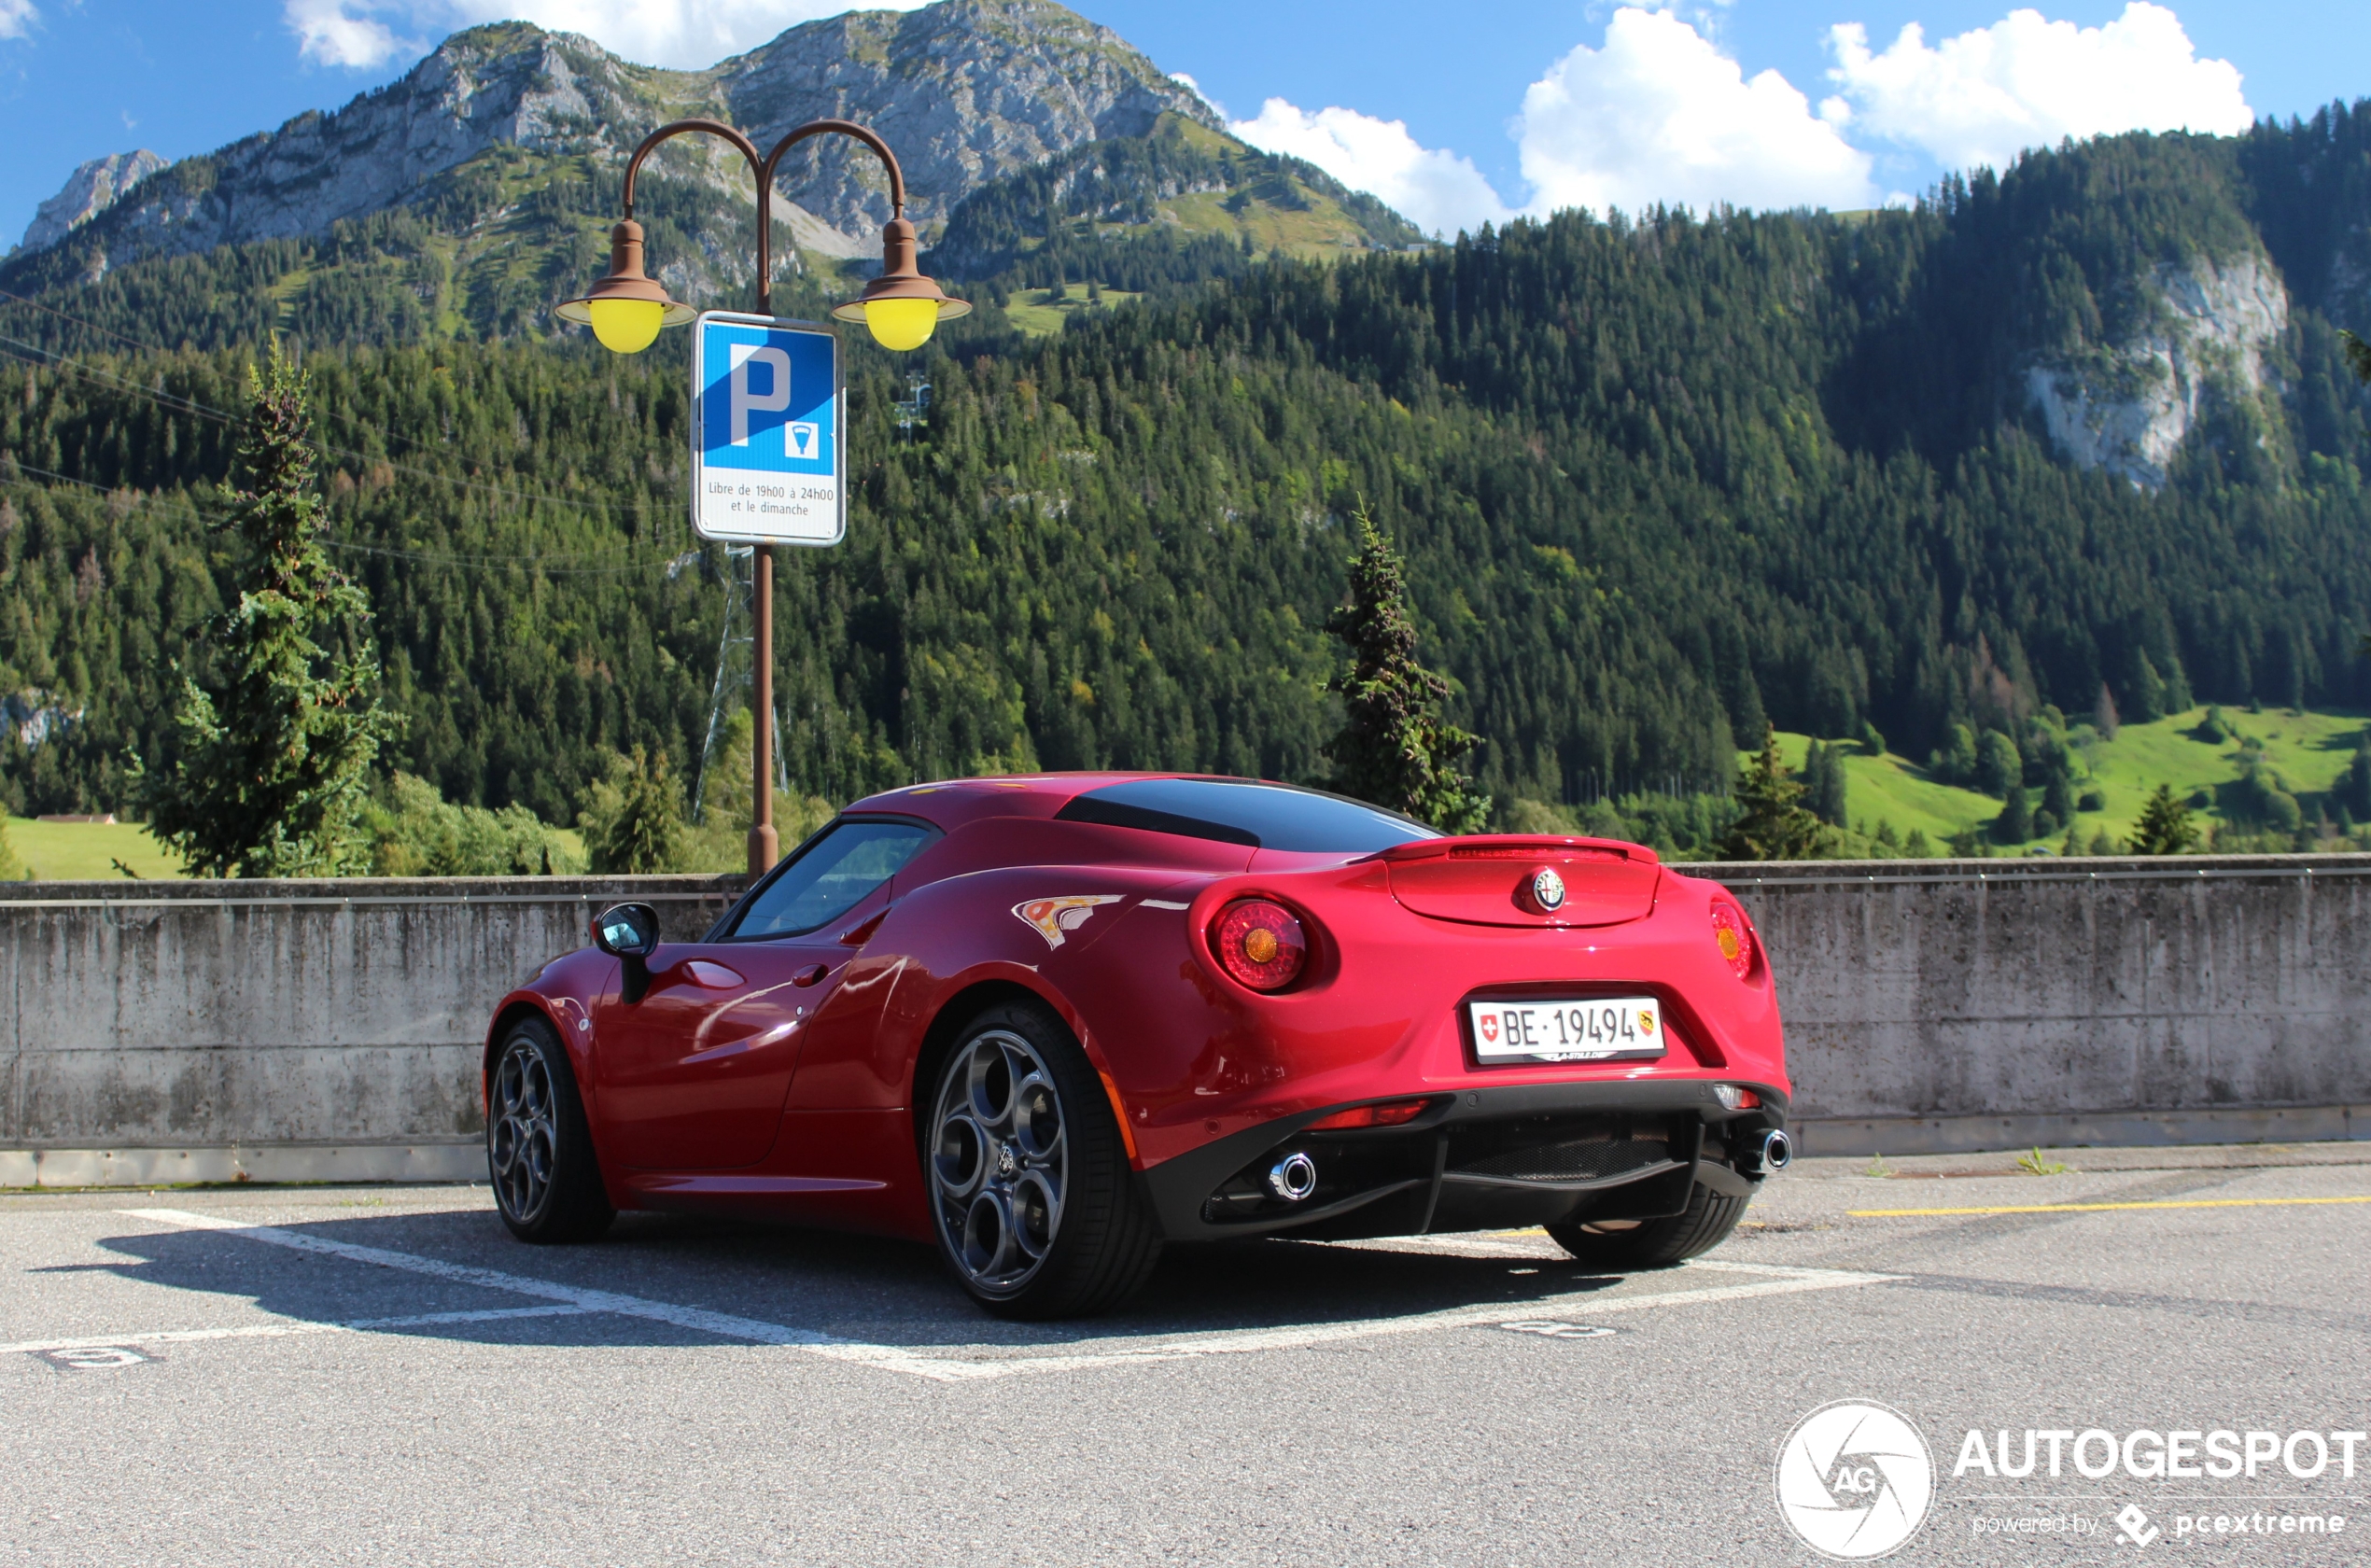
column 766, row 441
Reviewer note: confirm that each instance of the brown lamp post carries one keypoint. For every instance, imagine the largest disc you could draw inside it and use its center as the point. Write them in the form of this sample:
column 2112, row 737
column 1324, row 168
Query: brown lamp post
column 901, row 308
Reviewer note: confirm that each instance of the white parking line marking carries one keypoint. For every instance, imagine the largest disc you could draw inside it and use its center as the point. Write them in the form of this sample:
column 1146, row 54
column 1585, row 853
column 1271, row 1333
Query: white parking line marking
column 282, row 1330
column 725, row 1325
column 943, row 1368
column 1583, row 1304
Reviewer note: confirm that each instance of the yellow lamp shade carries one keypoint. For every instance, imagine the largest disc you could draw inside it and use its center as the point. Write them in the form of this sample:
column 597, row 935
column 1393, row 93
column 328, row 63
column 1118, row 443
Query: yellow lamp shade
column 902, row 324
column 628, row 325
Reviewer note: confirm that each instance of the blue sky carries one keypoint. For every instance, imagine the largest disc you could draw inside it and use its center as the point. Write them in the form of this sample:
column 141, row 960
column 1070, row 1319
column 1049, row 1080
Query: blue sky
column 1488, row 109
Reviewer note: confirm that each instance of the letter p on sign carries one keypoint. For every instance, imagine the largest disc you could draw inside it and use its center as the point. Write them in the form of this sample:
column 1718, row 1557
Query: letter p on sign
column 774, row 400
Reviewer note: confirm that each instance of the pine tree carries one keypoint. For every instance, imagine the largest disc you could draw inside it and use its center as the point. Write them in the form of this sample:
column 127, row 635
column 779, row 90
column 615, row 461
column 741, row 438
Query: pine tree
column 2014, row 824
column 2164, row 826
column 633, row 823
column 1395, row 749
column 2059, row 796
column 1773, row 825
column 273, row 764
column 2358, row 356
column 1823, row 775
column 1998, row 764
column 2354, row 790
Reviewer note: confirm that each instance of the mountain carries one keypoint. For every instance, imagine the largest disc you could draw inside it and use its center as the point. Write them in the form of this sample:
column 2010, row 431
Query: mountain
column 476, row 192
column 965, row 90
column 90, row 190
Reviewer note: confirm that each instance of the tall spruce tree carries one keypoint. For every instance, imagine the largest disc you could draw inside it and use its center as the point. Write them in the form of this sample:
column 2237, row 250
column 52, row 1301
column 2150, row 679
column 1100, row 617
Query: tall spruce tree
column 1773, row 824
column 1823, row 775
column 2358, row 354
column 2164, row 826
column 272, row 759
column 1394, row 748
column 634, row 822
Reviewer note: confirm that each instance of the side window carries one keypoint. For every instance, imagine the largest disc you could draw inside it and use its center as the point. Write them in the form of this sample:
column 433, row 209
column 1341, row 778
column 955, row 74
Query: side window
column 832, row 878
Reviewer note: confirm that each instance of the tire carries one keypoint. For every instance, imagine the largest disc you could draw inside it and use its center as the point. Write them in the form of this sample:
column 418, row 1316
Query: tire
column 1657, row 1243
column 538, row 1149
column 1037, row 1212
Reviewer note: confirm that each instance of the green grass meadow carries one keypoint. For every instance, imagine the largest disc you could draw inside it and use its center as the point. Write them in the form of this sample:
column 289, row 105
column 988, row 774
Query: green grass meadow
column 86, row 851
column 2311, row 749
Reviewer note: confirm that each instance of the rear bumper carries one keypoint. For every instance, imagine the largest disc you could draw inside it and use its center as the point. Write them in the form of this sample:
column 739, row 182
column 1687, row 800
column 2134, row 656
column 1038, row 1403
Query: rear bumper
column 1476, row 1159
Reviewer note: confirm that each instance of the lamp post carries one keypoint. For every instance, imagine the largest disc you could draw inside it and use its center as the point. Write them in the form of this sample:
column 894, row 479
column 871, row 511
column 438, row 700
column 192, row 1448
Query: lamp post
column 627, row 308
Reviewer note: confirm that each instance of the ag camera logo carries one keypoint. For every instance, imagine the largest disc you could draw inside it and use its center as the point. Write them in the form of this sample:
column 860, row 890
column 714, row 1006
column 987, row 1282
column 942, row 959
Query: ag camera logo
column 1854, row 1480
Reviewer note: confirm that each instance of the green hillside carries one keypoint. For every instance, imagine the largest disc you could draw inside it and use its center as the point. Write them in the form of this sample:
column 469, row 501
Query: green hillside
column 1658, row 483
column 2311, row 752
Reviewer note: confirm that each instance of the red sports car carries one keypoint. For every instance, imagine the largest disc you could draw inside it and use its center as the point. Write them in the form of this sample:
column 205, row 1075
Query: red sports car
column 1051, row 1023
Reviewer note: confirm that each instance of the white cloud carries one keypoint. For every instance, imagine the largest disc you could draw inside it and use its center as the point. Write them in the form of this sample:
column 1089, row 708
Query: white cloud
column 1435, row 189
column 686, row 34
column 1983, row 96
column 1661, row 115
column 329, row 34
column 17, row 18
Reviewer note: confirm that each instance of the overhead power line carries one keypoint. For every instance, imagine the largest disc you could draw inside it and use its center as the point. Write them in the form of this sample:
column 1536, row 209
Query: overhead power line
column 51, row 358
column 142, row 497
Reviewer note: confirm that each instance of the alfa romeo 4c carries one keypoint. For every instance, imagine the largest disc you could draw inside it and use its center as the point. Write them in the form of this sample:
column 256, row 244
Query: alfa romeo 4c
column 1052, row 1024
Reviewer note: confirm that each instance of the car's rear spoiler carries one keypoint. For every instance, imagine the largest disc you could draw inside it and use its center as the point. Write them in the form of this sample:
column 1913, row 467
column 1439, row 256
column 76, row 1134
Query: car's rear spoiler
column 1513, row 846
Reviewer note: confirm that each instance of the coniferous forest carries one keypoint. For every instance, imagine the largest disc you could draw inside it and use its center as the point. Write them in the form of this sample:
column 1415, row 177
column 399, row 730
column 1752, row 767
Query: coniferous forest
column 1658, row 483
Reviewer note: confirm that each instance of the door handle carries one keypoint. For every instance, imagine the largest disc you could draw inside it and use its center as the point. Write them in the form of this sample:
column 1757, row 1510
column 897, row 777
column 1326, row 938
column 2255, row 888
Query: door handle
column 809, row 975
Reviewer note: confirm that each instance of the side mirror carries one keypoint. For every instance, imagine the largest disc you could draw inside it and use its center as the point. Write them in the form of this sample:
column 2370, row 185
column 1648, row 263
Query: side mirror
column 629, row 933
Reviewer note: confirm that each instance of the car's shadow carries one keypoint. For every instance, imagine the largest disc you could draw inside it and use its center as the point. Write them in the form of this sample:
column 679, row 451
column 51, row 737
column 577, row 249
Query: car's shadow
column 860, row 1288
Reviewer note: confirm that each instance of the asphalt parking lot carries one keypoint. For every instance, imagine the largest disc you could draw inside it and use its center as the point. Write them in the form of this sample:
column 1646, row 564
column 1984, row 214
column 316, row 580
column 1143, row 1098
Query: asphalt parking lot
column 305, row 1374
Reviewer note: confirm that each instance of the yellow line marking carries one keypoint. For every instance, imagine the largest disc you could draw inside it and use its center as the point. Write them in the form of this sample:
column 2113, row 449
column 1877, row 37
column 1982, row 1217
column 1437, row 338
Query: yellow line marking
column 2096, row 1207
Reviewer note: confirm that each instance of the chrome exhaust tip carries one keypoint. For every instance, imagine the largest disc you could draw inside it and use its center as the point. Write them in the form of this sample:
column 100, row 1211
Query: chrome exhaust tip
column 1777, row 1151
column 1294, row 1177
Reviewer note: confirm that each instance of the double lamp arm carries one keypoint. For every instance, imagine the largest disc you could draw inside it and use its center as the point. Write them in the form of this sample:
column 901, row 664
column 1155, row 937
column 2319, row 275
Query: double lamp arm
column 901, row 307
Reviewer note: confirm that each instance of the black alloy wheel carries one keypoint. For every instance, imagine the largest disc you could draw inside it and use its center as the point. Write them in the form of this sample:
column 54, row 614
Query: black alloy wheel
column 1037, row 1210
column 538, row 1149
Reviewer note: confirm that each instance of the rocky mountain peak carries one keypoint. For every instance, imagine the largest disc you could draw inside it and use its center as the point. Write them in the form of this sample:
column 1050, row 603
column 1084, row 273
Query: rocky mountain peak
column 965, row 92
column 90, row 190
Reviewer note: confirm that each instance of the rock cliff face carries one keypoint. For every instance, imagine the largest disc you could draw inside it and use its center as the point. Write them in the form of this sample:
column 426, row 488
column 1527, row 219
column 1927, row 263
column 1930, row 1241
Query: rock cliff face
column 965, row 92
column 89, row 191
column 2127, row 407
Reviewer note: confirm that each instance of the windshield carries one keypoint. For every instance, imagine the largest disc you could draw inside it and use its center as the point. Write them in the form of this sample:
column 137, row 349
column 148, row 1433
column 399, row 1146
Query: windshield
column 831, row 876
column 1237, row 811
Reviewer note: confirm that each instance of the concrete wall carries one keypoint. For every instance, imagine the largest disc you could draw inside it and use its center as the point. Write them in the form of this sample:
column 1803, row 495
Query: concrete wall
column 164, row 1031
column 330, row 1030
column 1939, row 1007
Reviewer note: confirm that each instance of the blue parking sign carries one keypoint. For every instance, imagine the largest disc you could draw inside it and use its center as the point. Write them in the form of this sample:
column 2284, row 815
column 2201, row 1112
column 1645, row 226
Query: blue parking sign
column 766, row 431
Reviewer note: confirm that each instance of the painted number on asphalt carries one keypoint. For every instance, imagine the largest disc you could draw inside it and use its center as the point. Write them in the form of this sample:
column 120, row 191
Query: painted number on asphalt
column 92, row 1358
column 1552, row 1329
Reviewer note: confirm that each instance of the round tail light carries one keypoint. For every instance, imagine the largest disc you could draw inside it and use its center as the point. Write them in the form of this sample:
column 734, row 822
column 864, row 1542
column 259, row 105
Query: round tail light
column 1260, row 943
column 1733, row 936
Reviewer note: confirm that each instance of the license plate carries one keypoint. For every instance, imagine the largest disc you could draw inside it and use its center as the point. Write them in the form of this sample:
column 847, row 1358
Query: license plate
column 1595, row 1029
